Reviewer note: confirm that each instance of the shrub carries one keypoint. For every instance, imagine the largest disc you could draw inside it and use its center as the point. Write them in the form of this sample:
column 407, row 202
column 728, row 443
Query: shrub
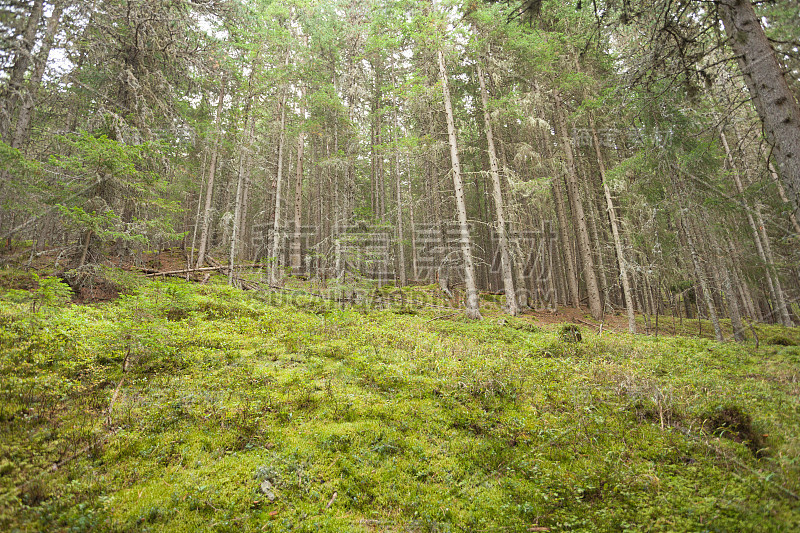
column 570, row 333
column 780, row 340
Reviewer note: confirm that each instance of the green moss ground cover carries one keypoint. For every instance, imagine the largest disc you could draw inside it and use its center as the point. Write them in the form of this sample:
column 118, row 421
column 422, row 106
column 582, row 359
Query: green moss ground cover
column 181, row 407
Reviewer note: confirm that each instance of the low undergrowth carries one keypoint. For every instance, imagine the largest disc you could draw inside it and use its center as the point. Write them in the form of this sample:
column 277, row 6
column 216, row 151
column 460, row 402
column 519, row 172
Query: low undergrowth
column 180, row 406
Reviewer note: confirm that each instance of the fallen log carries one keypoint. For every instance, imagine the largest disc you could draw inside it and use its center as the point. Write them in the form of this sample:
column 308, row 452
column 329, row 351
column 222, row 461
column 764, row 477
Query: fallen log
column 151, row 273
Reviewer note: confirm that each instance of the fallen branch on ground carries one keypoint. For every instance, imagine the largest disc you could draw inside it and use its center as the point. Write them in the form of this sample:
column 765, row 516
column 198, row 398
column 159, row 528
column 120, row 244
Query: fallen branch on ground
column 156, row 273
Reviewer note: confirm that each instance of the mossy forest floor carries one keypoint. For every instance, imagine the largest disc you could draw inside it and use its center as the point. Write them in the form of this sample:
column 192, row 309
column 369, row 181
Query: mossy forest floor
column 187, row 407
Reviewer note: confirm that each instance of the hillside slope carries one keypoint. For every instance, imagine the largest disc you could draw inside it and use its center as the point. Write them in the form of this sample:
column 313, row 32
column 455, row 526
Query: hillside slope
column 180, row 406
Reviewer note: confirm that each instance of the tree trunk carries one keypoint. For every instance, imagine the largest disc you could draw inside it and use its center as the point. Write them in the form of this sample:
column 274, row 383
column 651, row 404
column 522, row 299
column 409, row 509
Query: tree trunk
column 22, row 61
column 570, row 296
column 733, row 306
column 569, row 259
column 373, row 165
column 201, row 254
column 378, row 193
column 244, row 171
column 579, row 218
column 22, row 131
column 550, row 272
column 760, row 238
column 274, row 278
column 413, row 229
column 785, row 199
column 597, row 244
column 701, row 278
column 401, row 247
column 199, row 205
column 295, row 258
column 497, row 195
column 85, row 251
column 612, row 217
column 748, row 302
column 773, row 99
column 245, row 229
column 472, row 303
column 783, row 309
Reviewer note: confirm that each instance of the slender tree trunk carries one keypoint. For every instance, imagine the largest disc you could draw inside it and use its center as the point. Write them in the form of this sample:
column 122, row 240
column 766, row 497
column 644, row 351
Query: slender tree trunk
column 22, row 131
column 747, row 296
column 373, row 165
column 201, row 254
column 774, row 101
column 590, row 277
column 472, row 302
column 413, row 229
column 497, row 194
column 571, row 296
column 760, row 239
column 85, row 251
column 483, row 238
column 401, row 247
column 647, row 291
column 235, row 230
column 612, row 217
column 563, row 230
column 245, row 229
column 199, row 205
column 784, row 198
column 597, row 244
column 441, row 250
column 733, row 305
column 547, row 279
column 701, row 278
column 783, row 308
column 376, row 124
column 321, row 231
column 244, row 172
column 276, row 221
column 349, row 185
column 560, row 277
column 22, row 60
column 381, row 183
column 295, row 258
